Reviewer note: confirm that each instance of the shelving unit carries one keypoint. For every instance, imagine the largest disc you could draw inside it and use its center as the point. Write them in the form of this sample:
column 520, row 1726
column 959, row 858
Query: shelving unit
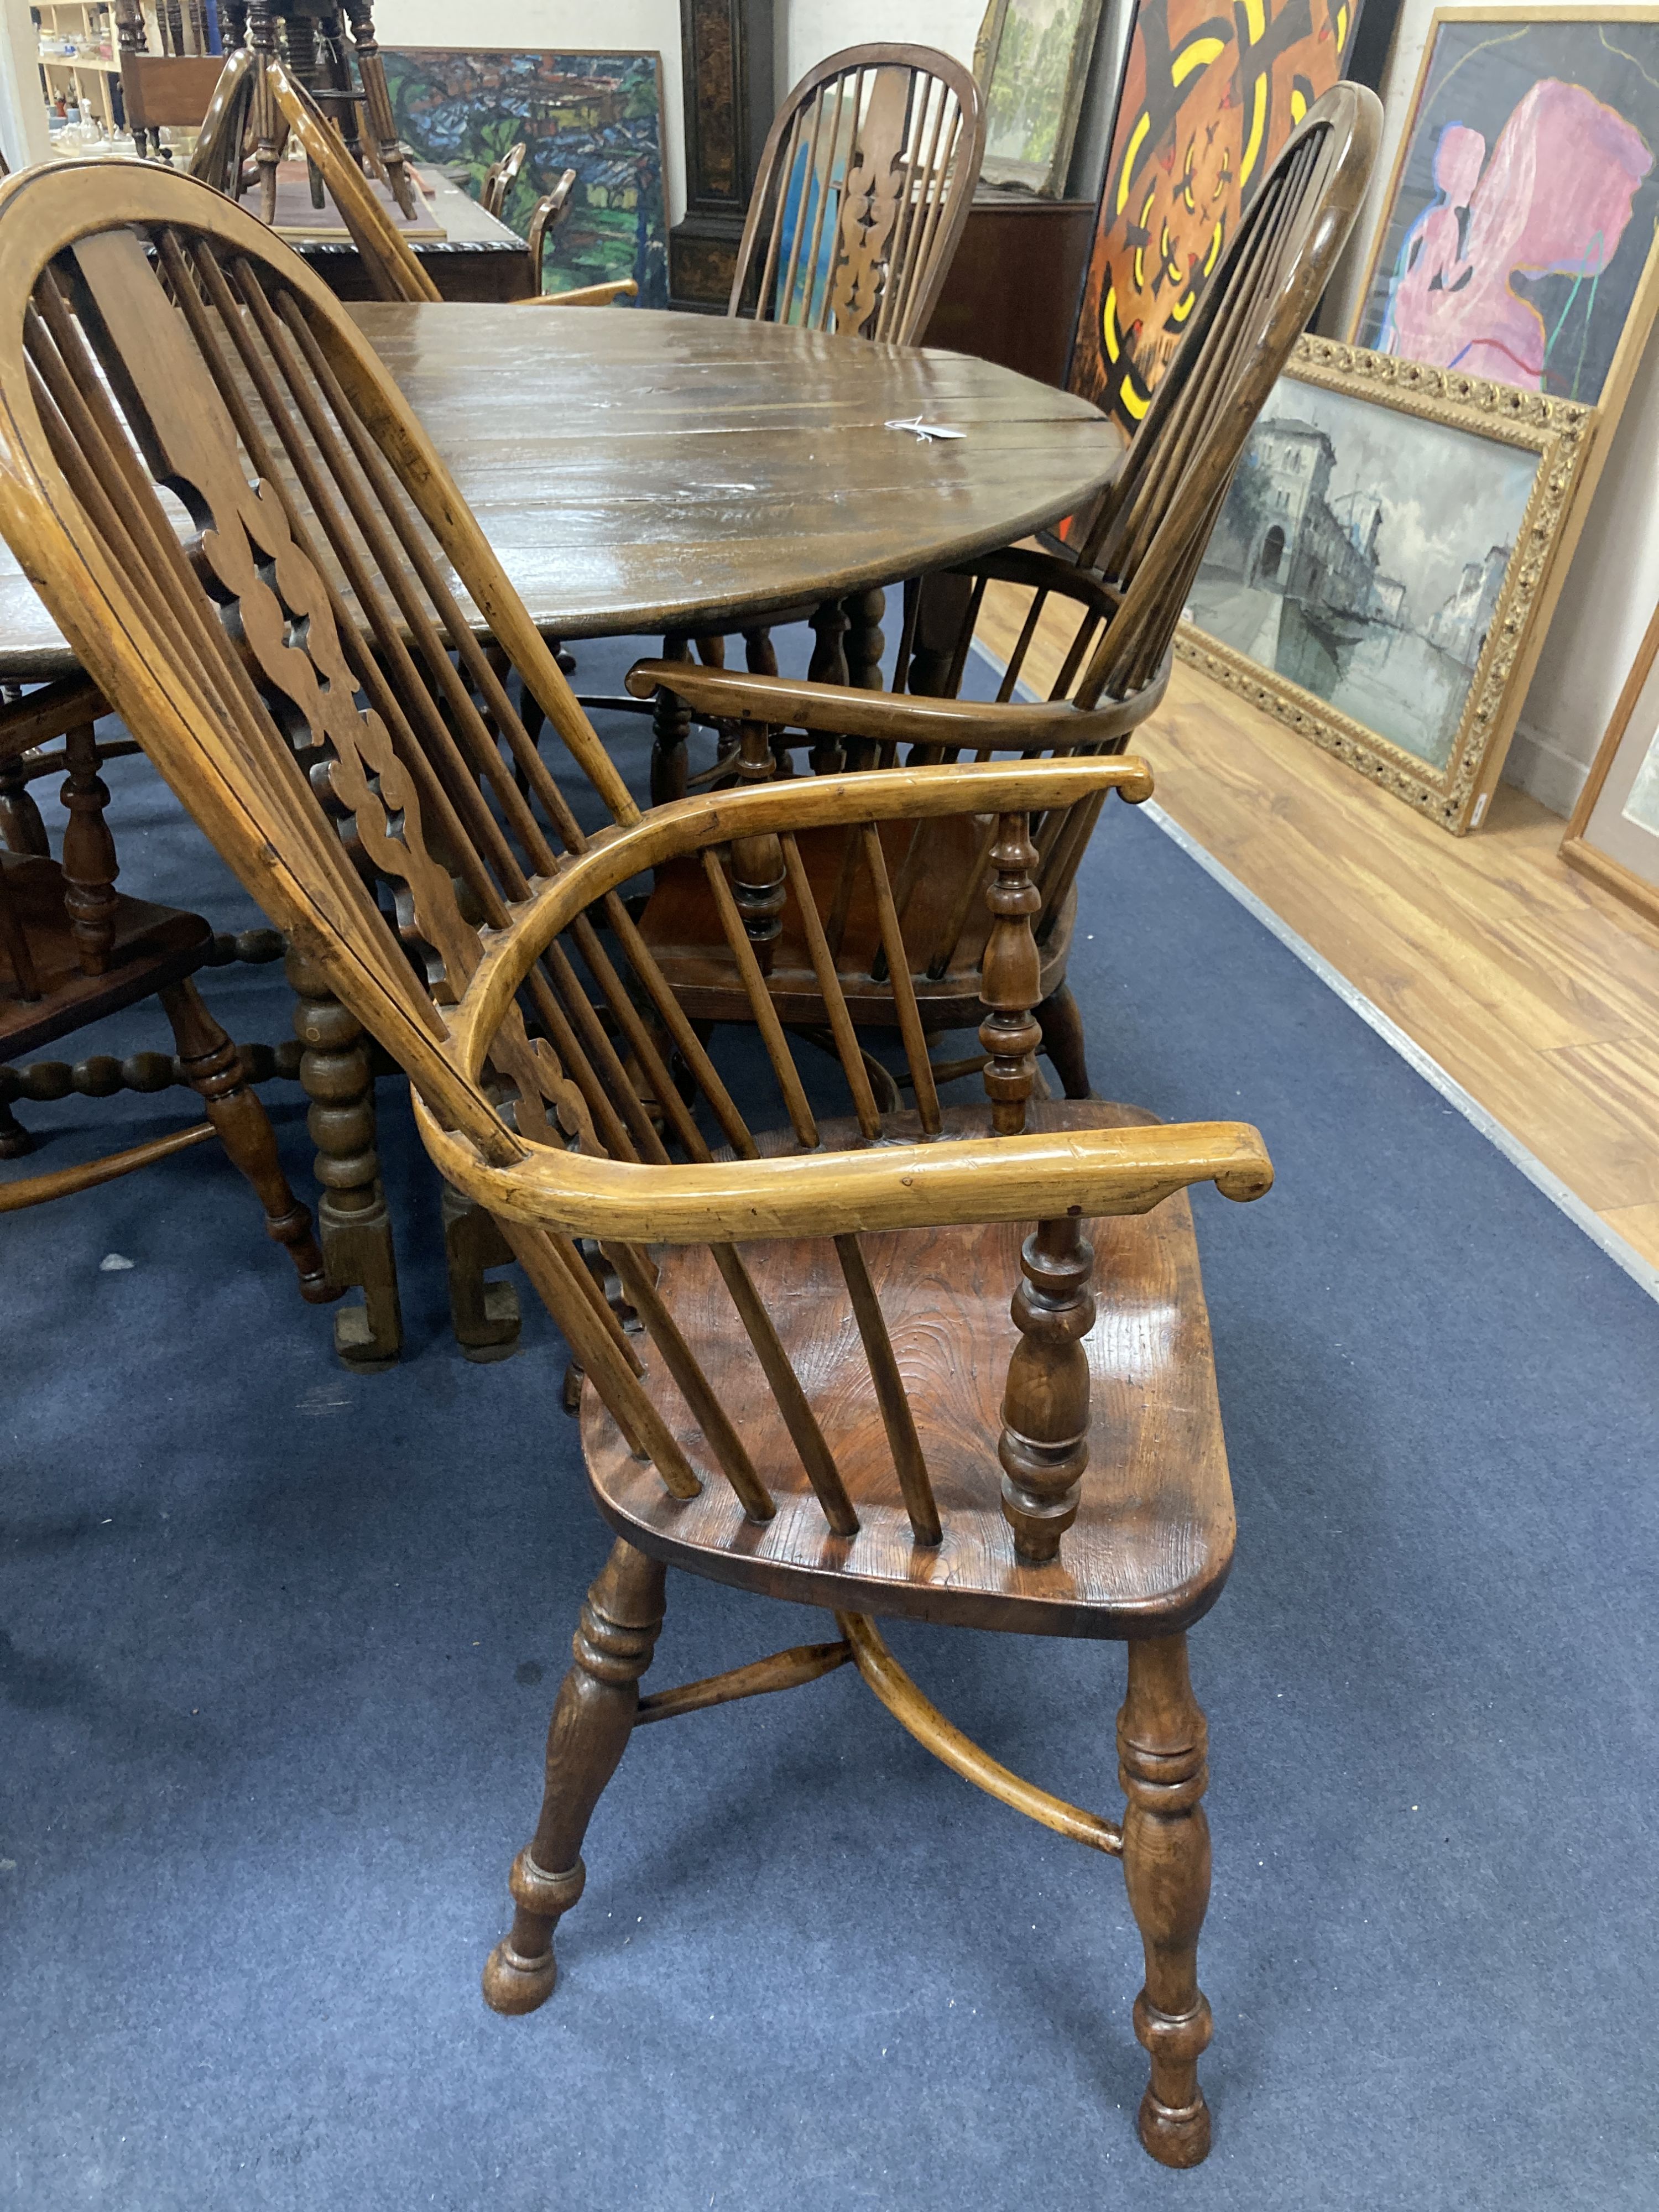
column 90, row 78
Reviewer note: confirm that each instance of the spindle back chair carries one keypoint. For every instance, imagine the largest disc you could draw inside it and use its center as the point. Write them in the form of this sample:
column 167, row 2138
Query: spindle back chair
column 74, row 950
column 500, row 176
column 864, row 186
column 1120, row 601
column 249, row 539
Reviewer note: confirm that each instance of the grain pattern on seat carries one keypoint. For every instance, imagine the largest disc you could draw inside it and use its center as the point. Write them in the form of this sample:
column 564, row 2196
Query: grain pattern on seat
column 1153, row 1539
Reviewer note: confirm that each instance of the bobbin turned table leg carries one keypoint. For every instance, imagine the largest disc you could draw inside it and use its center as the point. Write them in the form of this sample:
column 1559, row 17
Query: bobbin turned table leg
column 1161, row 1742
column 356, row 1226
column 586, row 1736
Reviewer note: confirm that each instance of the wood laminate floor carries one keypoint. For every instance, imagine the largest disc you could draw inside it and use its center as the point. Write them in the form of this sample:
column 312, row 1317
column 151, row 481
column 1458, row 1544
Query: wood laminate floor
column 1536, row 989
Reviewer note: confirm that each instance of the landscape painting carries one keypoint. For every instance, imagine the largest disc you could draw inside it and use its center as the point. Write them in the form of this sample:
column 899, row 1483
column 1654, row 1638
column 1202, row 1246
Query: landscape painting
column 1039, row 57
column 598, row 114
column 1209, row 98
column 1521, row 220
column 1361, row 556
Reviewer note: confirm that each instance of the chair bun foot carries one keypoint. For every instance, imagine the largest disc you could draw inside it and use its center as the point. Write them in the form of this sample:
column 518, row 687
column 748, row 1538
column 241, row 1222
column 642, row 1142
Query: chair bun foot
column 1175, row 2134
column 512, row 1984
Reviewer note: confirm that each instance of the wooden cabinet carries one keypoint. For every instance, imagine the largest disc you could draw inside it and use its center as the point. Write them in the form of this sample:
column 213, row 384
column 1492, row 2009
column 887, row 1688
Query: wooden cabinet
column 1012, row 292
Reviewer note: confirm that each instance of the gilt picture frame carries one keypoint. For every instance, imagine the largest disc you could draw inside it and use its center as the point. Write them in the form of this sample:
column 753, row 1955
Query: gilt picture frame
column 1382, row 574
column 1613, row 834
column 1519, row 235
column 1031, row 59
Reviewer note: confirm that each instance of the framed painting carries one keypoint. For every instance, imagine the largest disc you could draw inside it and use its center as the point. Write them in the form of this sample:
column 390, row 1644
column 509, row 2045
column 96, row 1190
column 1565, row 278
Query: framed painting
column 1613, row 834
column 1209, row 98
column 1032, row 61
column 1517, row 237
column 1380, row 573
column 598, row 114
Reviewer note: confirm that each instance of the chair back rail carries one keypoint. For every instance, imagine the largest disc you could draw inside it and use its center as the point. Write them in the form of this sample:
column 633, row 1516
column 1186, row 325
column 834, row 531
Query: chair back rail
column 267, row 570
column 864, row 186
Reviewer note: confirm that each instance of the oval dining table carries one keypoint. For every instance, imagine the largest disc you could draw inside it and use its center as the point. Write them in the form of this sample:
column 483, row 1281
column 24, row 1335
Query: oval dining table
column 650, row 472
column 657, row 474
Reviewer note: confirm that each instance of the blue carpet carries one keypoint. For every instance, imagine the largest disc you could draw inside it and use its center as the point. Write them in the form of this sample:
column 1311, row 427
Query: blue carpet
column 277, row 1644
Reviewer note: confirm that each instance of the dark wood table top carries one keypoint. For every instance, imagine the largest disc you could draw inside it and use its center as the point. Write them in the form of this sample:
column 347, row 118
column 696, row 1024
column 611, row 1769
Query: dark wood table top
column 639, row 472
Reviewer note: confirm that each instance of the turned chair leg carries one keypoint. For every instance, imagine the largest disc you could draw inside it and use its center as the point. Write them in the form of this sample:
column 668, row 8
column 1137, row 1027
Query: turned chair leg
column 245, row 1131
column 1161, row 1741
column 1064, row 1041
column 591, row 1722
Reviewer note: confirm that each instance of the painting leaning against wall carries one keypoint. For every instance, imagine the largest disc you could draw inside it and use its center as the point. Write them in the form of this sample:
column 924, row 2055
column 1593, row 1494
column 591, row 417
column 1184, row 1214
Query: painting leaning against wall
column 1518, row 237
column 1380, row 571
column 1208, row 100
column 598, row 114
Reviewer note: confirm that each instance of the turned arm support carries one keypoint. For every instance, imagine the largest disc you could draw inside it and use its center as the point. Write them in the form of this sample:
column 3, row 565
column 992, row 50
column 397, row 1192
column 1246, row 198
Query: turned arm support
column 727, row 695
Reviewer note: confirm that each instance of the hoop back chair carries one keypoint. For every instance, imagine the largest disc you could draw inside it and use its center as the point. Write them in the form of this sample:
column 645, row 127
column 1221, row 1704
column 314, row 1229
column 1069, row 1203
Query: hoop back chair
column 500, row 176
column 863, row 188
column 393, row 266
column 1122, row 598
column 261, row 561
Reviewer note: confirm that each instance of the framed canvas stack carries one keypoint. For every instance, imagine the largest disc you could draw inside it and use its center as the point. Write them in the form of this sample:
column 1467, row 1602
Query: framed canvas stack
column 599, row 114
column 1032, row 62
column 1613, row 834
column 1401, row 525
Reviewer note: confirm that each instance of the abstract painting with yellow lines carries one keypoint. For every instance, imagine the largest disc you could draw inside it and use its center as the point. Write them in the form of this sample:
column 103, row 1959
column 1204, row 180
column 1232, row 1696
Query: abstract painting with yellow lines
column 1208, row 100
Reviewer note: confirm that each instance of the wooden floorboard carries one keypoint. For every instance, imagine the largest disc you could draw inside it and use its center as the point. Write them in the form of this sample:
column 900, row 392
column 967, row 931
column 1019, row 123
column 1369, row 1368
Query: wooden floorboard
column 1537, row 990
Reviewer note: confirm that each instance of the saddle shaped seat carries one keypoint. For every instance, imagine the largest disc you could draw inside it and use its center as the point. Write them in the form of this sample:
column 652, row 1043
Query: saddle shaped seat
column 1153, row 1539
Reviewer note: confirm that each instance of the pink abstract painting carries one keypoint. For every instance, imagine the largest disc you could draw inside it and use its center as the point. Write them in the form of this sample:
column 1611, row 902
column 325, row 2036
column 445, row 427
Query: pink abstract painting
column 1554, row 199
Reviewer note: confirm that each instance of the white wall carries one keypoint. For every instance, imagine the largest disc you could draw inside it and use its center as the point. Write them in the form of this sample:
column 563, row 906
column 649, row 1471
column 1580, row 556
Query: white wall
column 1613, row 584
column 807, row 30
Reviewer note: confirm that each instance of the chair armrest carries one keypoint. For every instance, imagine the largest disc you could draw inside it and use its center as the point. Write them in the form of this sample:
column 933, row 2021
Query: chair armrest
column 724, row 695
column 589, row 295
column 934, row 1185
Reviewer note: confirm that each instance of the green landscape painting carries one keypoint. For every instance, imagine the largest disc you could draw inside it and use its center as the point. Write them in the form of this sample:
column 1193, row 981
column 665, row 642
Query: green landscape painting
column 598, row 114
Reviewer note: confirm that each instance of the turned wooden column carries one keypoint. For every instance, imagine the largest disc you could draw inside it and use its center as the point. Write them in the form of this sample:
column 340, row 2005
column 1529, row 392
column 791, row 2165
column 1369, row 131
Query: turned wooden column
column 725, row 60
column 91, row 867
column 671, row 727
column 1162, row 1741
column 1044, row 1444
column 357, row 1229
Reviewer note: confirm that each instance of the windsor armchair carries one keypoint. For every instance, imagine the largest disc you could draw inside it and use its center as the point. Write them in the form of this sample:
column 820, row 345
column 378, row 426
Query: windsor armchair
column 499, row 177
column 73, row 949
column 1122, row 596
column 246, row 535
column 865, row 183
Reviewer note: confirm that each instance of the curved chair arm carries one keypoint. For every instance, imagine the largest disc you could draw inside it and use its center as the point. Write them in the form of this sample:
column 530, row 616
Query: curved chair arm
column 586, row 295
column 934, row 1184
column 549, row 213
column 841, row 710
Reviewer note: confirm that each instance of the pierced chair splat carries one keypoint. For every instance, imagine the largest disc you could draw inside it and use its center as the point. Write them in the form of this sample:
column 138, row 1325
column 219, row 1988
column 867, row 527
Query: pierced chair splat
column 296, row 657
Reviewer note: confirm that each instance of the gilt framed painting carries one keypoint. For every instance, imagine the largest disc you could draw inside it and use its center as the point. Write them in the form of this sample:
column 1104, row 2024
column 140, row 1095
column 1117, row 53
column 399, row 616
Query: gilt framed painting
column 599, row 114
column 1517, row 239
column 1382, row 571
column 1613, row 834
column 1209, row 98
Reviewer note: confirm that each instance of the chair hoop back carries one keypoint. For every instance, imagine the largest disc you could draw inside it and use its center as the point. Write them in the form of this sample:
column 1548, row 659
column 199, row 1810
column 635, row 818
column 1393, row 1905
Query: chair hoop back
column 865, row 184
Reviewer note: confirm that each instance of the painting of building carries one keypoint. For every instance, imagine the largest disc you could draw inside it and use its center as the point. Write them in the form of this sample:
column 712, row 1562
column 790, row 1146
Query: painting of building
column 1361, row 555
column 598, row 114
